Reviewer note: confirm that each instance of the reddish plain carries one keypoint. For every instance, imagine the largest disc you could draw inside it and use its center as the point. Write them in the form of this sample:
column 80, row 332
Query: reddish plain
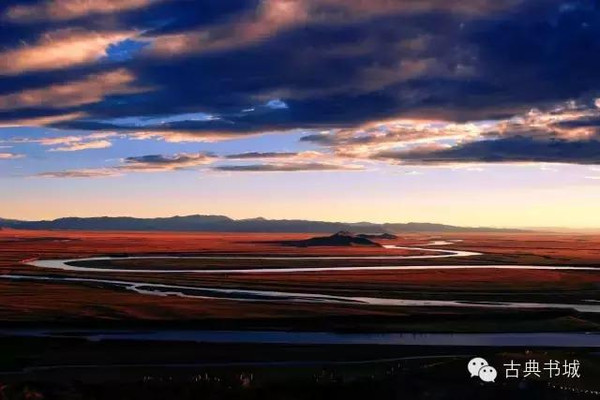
column 26, row 301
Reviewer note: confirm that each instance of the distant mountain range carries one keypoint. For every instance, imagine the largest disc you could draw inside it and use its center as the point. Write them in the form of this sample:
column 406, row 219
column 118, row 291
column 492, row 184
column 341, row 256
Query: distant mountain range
column 218, row 223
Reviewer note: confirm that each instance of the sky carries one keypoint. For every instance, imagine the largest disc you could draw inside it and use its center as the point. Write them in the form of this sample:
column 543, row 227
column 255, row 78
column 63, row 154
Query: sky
column 466, row 112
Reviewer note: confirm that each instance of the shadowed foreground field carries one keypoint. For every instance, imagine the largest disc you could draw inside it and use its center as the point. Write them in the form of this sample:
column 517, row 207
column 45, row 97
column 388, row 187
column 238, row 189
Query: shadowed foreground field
column 74, row 303
column 77, row 369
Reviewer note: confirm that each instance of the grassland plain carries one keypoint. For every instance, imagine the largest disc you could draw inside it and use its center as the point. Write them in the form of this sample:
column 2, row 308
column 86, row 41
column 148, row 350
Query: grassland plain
column 48, row 302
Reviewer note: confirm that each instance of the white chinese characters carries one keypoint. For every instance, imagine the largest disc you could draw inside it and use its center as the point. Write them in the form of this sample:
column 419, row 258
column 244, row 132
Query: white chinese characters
column 551, row 369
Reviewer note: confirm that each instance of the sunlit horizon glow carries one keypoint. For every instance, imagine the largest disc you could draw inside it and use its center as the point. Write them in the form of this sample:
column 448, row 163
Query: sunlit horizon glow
column 303, row 109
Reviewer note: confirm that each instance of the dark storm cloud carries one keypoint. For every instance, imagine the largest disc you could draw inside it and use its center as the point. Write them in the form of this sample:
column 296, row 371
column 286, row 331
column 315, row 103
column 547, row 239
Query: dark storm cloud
column 457, row 68
column 315, row 71
column 506, row 150
column 313, row 64
column 332, row 74
column 548, row 51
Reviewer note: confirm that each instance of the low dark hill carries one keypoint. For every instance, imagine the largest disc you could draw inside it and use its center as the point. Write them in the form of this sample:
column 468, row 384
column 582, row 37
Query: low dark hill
column 340, row 239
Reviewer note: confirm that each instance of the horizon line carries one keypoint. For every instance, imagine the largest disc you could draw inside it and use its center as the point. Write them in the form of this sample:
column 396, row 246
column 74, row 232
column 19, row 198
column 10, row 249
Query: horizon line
column 536, row 228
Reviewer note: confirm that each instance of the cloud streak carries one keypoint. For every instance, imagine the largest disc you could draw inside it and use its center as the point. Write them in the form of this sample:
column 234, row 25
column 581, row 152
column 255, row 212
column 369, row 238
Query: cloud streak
column 63, row 10
column 80, row 173
column 60, row 49
column 79, row 146
column 563, row 133
column 10, row 156
column 91, row 89
column 506, row 150
column 420, row 82
column 40, row 121
column 183, row 136
column 275, row 16
column 285, row 162
column 287, row 167
column 256, row 154
column 98, row 140
column 159, row 162
column 147, row 163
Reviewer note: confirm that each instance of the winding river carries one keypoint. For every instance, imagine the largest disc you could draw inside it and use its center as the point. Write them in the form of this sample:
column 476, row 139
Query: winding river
column 157, row 289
